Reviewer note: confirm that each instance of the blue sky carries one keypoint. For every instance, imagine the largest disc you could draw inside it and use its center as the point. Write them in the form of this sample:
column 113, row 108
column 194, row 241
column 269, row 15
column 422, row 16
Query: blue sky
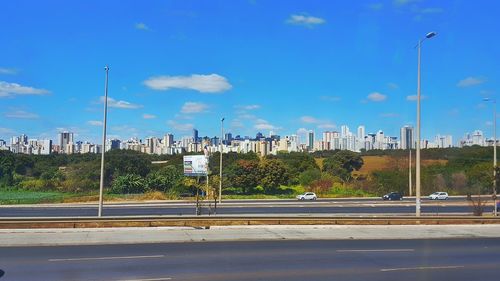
column 175, row 65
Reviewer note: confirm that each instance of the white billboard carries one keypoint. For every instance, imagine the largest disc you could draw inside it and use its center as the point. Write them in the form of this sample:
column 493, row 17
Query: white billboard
column 195, row 165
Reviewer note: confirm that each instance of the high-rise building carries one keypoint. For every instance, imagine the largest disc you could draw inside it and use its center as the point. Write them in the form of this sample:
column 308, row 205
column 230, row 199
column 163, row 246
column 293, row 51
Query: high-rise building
column 310, row 140
column 407, row 138
column 361, row 133
column 344, row 131
column 168, row 140
column 228, row 137
column 195, row 135
column 65, row 141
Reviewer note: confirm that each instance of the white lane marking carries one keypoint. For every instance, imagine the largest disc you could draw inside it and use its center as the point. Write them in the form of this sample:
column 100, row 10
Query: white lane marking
column 150, row 279
column 108, row 258
column 376, row 250
column 422, row 268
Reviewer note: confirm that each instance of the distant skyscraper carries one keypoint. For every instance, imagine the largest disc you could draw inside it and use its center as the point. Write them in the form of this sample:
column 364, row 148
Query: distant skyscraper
column 65, row 140
column 344, row 131
column 168, row 140
column 228, row 137
column 361, row 133
column 195, row 135
column 407, row 138
column 310, row 140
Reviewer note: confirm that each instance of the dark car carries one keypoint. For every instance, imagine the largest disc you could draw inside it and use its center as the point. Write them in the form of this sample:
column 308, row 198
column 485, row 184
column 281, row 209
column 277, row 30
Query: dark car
column 393, row 196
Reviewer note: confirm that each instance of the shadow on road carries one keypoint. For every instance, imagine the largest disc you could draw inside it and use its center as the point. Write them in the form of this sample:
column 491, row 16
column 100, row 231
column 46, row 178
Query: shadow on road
column 2, row 273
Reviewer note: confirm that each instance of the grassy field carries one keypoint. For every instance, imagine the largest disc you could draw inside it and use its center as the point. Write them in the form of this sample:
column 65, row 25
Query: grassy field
column 29, row 197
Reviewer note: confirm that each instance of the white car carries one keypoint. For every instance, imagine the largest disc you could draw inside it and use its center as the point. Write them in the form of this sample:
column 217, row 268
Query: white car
column 307, row 196
column 438, row 196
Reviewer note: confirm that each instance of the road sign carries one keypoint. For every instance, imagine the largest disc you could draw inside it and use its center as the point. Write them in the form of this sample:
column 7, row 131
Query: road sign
column 195, row 165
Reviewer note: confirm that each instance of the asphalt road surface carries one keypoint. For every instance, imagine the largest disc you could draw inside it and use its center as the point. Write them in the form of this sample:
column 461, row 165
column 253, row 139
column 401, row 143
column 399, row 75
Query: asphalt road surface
column 441, row 259
column 260, row 207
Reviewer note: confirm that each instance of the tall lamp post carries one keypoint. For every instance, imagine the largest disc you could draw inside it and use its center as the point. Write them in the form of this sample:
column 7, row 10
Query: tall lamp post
column 417, row 160
column 494, row 101
column 220, row 167
column 103, row 149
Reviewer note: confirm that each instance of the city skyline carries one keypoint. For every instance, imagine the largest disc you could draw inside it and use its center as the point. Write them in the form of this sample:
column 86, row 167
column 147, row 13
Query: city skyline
column 178, row 67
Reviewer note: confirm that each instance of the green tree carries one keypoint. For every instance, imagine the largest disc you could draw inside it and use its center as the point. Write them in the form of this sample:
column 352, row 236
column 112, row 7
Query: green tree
column 244, row 174
column 127, row 184
column 481, row 176
column 273, row 173
column 309, row 176
column 342, row 164
column 6, row 168
column 296, row 163
column 168, row 178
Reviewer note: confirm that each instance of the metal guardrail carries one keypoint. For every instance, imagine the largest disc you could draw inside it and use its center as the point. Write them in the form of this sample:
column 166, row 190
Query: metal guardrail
column 203, row 221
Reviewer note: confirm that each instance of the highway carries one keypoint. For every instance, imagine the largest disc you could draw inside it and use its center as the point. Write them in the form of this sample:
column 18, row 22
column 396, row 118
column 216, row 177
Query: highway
column 440, row 259
column 458, row 206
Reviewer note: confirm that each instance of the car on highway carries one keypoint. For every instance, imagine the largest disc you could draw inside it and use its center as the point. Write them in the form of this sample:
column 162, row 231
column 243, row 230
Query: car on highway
column 439, row 196
column 393, row 196
column 307, row 196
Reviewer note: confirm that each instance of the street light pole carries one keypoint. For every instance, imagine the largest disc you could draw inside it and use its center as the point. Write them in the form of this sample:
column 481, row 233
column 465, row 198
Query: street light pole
column 220, row 167
column 495, row 157
column 494, row 154
column 417, row 160
column 409, row 174
column 103, row 148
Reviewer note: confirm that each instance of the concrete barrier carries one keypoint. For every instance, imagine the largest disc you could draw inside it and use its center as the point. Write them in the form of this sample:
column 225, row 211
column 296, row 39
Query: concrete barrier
column 202, row 221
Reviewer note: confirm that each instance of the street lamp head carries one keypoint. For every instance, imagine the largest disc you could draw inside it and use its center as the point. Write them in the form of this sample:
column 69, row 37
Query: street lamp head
column 222, row 120
column 430, row 35
column 106, row 68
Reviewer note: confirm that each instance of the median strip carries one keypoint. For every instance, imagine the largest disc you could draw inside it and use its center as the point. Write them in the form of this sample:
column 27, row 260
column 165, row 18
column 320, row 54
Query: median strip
column 376, row 250
column 422, row 268
column 107, row 258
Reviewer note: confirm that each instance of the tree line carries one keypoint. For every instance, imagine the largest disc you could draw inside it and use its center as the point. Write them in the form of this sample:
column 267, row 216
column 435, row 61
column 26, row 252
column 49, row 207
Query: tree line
column 458, row 171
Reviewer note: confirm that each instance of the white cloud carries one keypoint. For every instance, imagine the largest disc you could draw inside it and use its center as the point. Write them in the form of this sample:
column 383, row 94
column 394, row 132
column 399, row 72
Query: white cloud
column 120, row 104
column 246, row 116
column 309, row 120
column 7, row 131
column 327, row 125
column 261, row 124
column 392, row 86
column 470, row 81
column 236, row 124
column 248, row 107
column 194, row 107
column 414, row 97
column 305, row 20
column 21, row 114
column 12, row 89
column 321, row 124
column 94, row 123
column 148, row 116
column 377, row 97
column 141, row 26
column 302, row 131
column 212, row 83
column 4, row 70
column 179, row 126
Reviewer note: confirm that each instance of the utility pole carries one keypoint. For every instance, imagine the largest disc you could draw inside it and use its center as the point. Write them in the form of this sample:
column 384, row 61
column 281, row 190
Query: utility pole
column 494, row 156
column 417, row 160
column 409, row 174
column 221, row 150
column 103, row 148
